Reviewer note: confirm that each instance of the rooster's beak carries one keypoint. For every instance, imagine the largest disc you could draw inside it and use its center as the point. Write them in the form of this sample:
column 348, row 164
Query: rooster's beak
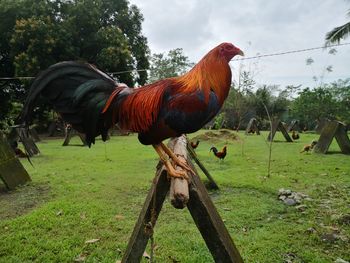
column 240, row 53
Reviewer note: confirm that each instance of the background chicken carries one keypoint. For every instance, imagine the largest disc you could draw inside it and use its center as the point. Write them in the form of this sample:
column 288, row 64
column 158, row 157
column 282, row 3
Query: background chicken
column 18, row 152
column 308, row 147
column 92, row 101
column 295, row 135
column 194, row 145
column 222, row 154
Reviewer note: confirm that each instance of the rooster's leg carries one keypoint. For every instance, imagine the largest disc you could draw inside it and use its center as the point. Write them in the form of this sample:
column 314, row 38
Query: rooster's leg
column 166, row 160
column 175, row 159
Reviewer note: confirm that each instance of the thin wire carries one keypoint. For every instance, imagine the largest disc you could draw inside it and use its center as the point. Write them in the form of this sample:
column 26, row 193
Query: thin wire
column 290, row 52
column 238, row 59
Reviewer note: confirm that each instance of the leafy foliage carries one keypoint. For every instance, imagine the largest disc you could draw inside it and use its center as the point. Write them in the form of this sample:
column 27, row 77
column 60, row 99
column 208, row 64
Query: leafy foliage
column 37, row 34
column 329, row 101
column 338, row 33
column 172, row 64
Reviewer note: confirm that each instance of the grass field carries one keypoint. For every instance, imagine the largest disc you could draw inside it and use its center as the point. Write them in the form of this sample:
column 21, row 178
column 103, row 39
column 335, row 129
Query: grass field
column 78, row 194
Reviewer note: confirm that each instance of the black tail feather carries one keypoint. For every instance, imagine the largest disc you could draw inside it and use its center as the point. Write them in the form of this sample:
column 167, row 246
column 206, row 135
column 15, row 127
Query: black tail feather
column 78, row 92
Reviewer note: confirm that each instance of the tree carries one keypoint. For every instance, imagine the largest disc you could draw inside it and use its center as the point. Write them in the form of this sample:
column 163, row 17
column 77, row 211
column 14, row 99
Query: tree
column 341, row 95
column 312, row 105
column 238, row 107
column 338, row 33
column 264, row 100
column 172, row 64
column 36, row 34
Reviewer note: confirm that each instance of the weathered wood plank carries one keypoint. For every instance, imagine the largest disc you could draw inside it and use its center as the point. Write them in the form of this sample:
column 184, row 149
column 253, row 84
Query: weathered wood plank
column 284, row 132
column 202, row 210
column 210, row 224
column 326, row 137
column 294, row 125
column 29, row 145
column 179, row 190
column 193, row 155
column 67, row 136
column 12, row 173
column 33, row 133
column 277, row 125
column 330, row 130
column 69, row 133
column 273, row 130
column 252, row 126
column 342, row 139
column 142, row 230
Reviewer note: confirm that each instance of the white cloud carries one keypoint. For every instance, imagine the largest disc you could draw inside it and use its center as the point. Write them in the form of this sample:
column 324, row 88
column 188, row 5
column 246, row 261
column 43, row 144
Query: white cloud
column 270, row 26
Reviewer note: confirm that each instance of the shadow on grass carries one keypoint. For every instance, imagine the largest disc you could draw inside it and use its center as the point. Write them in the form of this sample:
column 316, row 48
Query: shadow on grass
column 22, row 200
column 80, row 145
column 335, row 152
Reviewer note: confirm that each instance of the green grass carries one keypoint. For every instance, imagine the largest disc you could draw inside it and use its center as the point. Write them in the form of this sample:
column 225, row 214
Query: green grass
column 78, row 194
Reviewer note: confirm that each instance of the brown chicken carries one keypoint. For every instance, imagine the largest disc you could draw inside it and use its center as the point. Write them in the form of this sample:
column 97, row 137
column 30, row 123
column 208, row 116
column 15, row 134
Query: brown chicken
column 222, row 154
column 295, row 135
column 194, row 145
column 309, row 147
column 18, row 152
column 251, row 131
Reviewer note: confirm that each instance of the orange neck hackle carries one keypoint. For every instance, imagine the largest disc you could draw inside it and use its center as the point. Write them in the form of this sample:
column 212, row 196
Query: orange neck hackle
column 211, row 73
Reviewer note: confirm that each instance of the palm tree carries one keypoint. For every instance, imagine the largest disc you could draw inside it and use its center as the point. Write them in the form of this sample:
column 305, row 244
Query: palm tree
column 338, row 33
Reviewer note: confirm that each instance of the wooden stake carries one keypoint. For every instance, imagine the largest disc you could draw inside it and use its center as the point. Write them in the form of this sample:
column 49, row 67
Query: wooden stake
column 193, row 155
column 12, row 172
column 277, row 125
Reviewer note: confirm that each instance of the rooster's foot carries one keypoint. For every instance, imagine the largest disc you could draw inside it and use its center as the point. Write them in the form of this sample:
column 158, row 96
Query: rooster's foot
column 176, row 160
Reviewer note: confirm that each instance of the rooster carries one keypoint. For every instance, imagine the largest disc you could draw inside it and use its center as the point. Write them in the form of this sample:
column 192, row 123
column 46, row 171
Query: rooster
column 222, row 154
column 295, row 135
column 92, row 102
column 194, row 145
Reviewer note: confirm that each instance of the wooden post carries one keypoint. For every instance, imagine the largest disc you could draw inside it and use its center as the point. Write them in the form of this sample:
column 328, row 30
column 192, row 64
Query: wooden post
column 342, row 139
column 69, row 133
column 29, row 145
column 252, row 126
column 330, row 130
column 200, row 206
column 210, row 224
column 320, row 125
column 144, row 225
column 193, row 155
column 179, row 193
column 294, row 125
column 277, row 125
column 12, row 173
column 34, row 134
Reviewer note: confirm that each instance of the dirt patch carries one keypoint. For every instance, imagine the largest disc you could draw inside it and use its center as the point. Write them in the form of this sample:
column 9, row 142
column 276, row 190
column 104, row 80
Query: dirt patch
column 216, row 136
column 22, row 200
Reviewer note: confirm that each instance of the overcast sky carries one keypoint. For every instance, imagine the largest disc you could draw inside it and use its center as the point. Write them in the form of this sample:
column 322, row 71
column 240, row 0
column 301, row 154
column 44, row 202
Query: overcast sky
column 255, row 26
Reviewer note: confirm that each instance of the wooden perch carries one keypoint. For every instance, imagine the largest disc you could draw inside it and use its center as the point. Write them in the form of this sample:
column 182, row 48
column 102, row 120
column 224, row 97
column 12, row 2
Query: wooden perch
column 202, row 210
column 179, row 193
